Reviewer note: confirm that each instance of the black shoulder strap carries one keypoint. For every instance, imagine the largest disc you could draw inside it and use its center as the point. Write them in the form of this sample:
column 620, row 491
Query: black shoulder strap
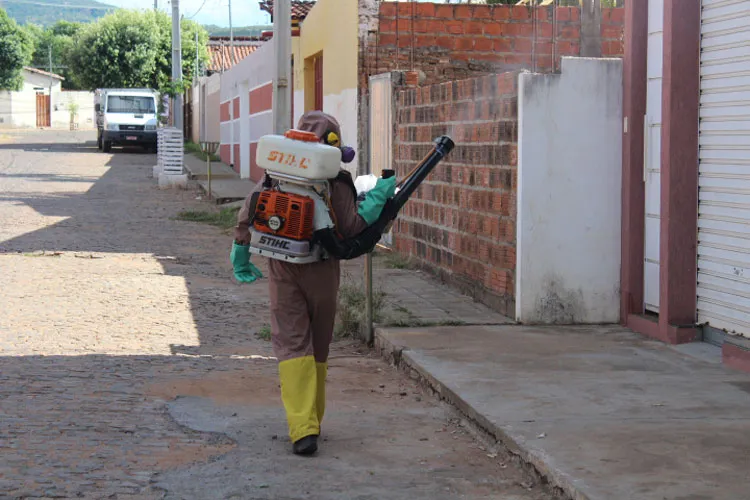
column 253, row 205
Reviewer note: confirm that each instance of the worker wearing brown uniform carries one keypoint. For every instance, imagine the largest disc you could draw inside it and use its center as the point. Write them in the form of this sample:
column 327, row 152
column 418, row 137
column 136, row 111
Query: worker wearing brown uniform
column 304, row 298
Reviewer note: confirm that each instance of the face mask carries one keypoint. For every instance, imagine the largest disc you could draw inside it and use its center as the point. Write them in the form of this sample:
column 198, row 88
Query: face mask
column 347, row 154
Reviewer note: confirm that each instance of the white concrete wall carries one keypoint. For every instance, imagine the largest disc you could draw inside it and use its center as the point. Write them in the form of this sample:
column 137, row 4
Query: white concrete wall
column 195, row 98
column 6, row 109
column 23, row 102
column 569, row 191
column 343, row 107
column 299, row 104
column 212, row 124
column 85, row 116
column 252, row 72
column 32, row 80
column 18, row 109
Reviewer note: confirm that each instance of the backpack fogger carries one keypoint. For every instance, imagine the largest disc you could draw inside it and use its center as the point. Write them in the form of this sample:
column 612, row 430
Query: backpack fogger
column 293, row 219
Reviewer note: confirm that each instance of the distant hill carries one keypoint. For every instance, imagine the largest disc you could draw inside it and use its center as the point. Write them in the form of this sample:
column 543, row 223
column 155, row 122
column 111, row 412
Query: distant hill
column 48, row 12
column 238, row 30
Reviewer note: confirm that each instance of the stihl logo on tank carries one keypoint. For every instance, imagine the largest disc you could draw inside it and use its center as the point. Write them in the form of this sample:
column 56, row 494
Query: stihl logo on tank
column 288, row 159
column 274, row 243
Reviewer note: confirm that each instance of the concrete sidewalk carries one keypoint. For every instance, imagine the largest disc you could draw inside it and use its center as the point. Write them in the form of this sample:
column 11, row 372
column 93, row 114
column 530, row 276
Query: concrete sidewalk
column 226, row 185
column 601, row 412
column 415, row 298
column 198, row 169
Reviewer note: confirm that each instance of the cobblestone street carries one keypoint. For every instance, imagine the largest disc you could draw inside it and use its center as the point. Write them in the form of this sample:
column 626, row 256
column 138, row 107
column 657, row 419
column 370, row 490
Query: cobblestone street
column 130, row 365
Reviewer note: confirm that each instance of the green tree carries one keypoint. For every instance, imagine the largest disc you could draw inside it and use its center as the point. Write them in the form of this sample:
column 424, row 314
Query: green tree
column 60, row 38
column 188, row 29
column 16, row 47
column 134, row 49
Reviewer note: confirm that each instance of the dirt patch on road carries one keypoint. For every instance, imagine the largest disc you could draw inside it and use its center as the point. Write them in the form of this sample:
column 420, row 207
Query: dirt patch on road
column 254, row 385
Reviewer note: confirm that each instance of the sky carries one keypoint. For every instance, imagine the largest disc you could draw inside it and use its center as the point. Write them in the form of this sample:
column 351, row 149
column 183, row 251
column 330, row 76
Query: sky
column 244, row 12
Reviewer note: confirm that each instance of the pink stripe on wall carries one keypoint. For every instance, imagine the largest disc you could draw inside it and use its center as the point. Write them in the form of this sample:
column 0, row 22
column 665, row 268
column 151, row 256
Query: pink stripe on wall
column 224, row 154
column 236, row 107
column 224, row 112
column 261, row 99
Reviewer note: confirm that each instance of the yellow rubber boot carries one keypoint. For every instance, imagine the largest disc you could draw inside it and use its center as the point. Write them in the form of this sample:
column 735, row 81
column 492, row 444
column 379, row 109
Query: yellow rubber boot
column 322, row 369
column 299, row 380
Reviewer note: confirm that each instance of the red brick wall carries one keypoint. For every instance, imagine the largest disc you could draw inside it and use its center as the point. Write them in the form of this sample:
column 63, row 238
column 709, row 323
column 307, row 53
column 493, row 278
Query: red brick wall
column 449, row 42
column 613, row 35
column 461, row 221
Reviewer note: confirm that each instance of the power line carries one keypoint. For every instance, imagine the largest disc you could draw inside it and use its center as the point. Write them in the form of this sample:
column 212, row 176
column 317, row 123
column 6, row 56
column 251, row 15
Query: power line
column 199, row 10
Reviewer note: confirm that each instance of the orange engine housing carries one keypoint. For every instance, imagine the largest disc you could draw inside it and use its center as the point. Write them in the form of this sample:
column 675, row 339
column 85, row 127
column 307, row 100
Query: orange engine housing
column 295, row 211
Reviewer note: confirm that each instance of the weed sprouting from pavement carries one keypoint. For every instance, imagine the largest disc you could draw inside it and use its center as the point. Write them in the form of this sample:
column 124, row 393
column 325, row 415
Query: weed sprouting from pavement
column 395, row 260
column 226, row 218
column 352, row 307
column 264, row 333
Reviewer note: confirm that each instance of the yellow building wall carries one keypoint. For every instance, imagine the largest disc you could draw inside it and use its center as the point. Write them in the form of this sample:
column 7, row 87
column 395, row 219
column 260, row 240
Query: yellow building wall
column 330, row 28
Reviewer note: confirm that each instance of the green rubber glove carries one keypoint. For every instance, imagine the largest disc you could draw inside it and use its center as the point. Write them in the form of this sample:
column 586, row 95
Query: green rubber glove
column 244, row 270
column 372, row 205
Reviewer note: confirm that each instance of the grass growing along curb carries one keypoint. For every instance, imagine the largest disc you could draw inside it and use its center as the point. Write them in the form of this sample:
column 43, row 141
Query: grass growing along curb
column 412, row 321
column 226, row 218
column 193, row 148
column 418, row 323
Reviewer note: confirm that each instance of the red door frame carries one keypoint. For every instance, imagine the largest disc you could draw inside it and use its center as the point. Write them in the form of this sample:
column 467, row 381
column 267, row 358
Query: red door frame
column 679, row 171
column 318, row 85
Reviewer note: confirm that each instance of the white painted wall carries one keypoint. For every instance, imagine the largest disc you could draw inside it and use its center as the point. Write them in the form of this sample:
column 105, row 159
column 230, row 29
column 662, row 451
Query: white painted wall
column 252, row 72
column 32, row 80
column 343, row 107
column 569, row 192
column 61, row 101
column 18, row 109
column 211, row 108
column 196, row 97
column 6, row 108
column 299, row 105
column 23, row 102
column 244, row 130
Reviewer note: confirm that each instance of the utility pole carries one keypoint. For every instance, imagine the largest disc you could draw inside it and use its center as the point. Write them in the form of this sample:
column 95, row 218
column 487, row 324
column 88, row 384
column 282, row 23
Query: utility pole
column 282, row 40
column 231, row 36
column 177, row 62
column 50, row 71
column 156, row 4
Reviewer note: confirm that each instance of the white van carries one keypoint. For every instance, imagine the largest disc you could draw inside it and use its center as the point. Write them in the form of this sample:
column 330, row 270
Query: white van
column 126, row 117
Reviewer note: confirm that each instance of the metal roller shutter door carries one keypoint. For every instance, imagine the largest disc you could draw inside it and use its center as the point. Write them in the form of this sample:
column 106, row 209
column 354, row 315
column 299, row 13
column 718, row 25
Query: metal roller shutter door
column 724, row 167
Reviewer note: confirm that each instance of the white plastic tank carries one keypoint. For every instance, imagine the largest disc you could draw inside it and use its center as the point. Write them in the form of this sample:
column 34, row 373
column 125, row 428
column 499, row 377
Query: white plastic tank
column 299, row 154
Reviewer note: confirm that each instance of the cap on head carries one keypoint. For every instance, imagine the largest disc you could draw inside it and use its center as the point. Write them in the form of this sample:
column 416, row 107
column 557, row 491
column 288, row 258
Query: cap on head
column 327, row 128
column 321, row 124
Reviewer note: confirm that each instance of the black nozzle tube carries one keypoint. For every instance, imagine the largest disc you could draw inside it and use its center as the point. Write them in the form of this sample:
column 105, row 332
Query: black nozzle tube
column 365, row 241
column 443, row 146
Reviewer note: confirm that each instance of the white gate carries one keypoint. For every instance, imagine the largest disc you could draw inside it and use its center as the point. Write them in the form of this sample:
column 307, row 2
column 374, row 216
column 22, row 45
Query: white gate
column 381, row 130
column 652, row 155
column 724, row 182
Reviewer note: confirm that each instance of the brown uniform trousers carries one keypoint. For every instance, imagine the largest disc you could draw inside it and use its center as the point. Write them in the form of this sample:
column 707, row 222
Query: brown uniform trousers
column 303, row 311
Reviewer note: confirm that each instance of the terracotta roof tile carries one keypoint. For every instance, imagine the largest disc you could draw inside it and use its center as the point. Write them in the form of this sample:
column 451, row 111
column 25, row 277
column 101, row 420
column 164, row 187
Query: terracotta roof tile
column 300, row 8
column 221, row 55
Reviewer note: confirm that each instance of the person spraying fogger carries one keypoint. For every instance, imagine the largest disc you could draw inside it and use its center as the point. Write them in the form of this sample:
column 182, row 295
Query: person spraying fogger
column 304, row 216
